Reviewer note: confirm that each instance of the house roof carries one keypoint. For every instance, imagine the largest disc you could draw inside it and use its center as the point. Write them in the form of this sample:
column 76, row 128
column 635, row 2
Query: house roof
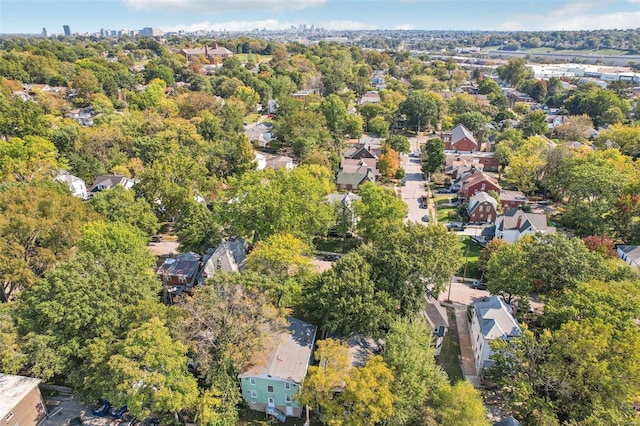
column 362, row 166
column 109, row 181
column 479, row 198
column 347, row 198
column 513, row 196
column 12, row 390
column 632, row 252
column 278, row 161
column 361, row 151
column 435, row 313
column 354, row 179
column 229, row 256
column 184, row 265
column 286, row 355
column 479, row 176
column 495, row 318
column 516, row 219
column 66, row 177
column 509, row 421
column 460, row 132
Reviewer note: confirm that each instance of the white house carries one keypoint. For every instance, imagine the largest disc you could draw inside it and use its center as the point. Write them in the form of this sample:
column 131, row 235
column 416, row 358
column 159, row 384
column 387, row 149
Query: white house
column 491, row 319
column 515, row 223
column 76, row 185
column 436, row 316
column 109, row 181
column 631, row 255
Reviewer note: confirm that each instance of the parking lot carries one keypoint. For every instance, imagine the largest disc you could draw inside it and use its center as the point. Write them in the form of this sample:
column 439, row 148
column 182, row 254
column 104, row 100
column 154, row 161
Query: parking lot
column 60, row 415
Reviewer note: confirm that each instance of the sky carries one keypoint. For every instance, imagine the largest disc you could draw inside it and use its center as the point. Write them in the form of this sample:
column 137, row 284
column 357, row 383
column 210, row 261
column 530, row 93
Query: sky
column 30, row 16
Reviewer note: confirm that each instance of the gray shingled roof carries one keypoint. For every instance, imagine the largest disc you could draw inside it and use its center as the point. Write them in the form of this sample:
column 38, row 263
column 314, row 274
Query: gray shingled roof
column 536, row 220
column 479, row 198
column 286, row 355
column 509, row 421
column 229, row 256
column 632, row 252
column 460, row 132
column 495, row 318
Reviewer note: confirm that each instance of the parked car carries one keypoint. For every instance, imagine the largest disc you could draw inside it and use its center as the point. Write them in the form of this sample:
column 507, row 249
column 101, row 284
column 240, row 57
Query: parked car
column 443, row 191
column 76, row 421
column 116, row 414
column 331, row 258
column 101, row 409
column 156, row 238
column 479, row 285
column 455, row 226
column 479, row 241
column 425, row 218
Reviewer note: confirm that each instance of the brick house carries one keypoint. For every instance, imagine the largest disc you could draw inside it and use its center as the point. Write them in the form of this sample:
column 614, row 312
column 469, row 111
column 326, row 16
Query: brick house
column 512, row 200
column 475, row 183
column 482, row 208
column 460, row 139
column 20, row 401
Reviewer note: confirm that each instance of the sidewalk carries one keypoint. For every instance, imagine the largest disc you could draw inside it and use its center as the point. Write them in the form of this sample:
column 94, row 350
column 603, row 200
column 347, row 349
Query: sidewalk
column 466, row 349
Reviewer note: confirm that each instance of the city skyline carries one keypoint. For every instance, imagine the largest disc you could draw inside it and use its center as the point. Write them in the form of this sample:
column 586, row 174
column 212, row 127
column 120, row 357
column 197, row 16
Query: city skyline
column 84, row 16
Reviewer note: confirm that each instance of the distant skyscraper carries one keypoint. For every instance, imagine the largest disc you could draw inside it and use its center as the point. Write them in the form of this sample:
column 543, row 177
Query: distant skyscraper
column 45, row 33
column 67, row 30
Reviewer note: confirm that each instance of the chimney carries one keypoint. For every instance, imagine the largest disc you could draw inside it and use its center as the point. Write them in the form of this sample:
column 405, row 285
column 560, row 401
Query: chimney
column 519, row 222
column 480, row 134
column 308, row 337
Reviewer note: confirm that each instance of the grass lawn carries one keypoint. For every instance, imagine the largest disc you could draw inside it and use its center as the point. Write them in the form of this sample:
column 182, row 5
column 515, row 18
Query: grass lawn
column 251, row 118
column 335, row 245
column 256, row 418
column 244, row 57
column 443, row 213
column 443, row 198
column 470, row 254
column 449, row 357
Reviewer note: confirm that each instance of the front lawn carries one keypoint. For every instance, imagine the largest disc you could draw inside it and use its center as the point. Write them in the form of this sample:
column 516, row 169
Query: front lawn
column 470, row 254
column 251, row 118
column 449, row 358
column 443, row 213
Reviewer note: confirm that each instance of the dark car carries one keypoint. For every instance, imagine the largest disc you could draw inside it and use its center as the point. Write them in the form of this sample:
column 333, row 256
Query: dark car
column 116, row 414
column 76, row 421
column 425, row 218
column 455, row 226
column 101, row 409
column 479, row 285
column 156, row 238
column 443, row 191
column 331, row 258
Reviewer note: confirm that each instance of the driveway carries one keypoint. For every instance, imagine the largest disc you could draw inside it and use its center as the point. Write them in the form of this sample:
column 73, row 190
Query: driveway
column 61, row 414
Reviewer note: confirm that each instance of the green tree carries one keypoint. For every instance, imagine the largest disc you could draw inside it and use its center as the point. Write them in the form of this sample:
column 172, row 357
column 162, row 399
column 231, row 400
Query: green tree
column 434, row 156
column 198, row 228
column 507, row 273
column 399, row 143
column 421, row 110
column 354, row 126
column 146, row 370
column 534, row 123
column 335, row 113
column 460, row 404
column 514, row 72
column 378, row 126
column 286, row 258
column 409, row 354
column 472, row 120
column 38, row 228
column 120, row 205
column 27, row 159
column 377, row 207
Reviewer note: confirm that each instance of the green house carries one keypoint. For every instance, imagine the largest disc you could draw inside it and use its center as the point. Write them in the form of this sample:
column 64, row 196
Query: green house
column 274, row 375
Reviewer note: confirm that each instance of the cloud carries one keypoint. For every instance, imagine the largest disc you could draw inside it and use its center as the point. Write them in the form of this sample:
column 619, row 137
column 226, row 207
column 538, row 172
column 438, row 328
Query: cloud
column 219, row 6
column 269, row 24
column 574, row 16
column 405, row 27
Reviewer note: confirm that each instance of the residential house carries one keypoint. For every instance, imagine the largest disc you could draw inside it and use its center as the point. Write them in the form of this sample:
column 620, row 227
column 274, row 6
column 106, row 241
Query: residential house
column 512, row 199
column 459, row 169
column 301, row 94
column 349, row 218
column 229, row 256
column 484, row 161
column 631, row 255
column 377, row 79
column 215, row 55
column 350, row 178
column 76, row 185
column 460, row 139
column 371, row 97
column 83, row 116
column 260, row 159
column 109, row 181
column 436, row 316
column 476, row 182
column 515, row 223
column 260, row 134
column 279, row 161
column 364, row 149
column 274, row 375
column 179, row 275
column 482, row 208
column 491, row 318
column 554, row 120
column 20, row 401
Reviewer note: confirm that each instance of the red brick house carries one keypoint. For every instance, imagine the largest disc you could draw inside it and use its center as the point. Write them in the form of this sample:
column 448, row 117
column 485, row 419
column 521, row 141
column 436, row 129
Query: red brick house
column 512, row 200
column 179, row 274
column 460, row 139
column 475, row 183
column 482, row 208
